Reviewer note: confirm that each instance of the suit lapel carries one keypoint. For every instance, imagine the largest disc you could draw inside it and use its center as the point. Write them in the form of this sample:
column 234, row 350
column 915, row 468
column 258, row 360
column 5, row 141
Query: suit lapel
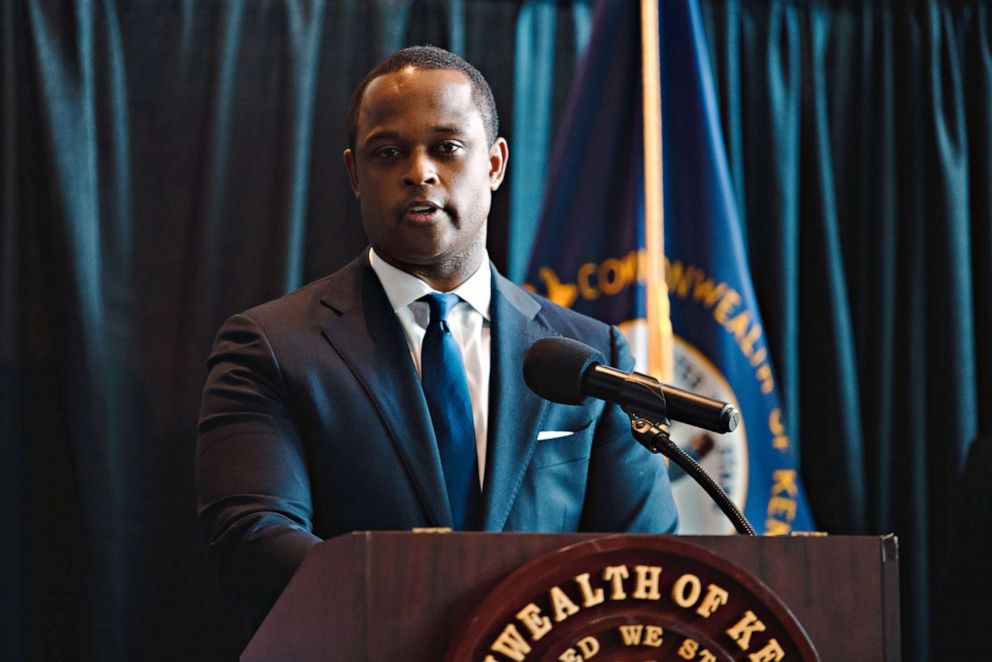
column 515, row 413
column 365, row 332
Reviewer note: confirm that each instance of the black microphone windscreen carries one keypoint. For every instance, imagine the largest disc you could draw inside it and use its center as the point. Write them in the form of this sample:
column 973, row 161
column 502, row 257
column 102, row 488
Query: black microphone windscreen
column 554, row 368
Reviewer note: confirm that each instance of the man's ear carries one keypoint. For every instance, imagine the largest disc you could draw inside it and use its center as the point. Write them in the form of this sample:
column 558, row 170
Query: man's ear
column 349, row 164
column 499, row 155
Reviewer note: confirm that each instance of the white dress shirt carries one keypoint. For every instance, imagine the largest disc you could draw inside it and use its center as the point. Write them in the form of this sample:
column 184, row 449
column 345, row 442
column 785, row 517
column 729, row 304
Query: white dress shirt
column 469, row 322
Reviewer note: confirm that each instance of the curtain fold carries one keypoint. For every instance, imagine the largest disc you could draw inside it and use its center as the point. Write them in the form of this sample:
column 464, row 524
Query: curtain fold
column 826, row 356
column 533, row 95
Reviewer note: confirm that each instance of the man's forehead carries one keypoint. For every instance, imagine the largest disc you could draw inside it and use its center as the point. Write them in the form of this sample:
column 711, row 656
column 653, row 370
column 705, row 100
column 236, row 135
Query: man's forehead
column 442, row 95
column 410, row 77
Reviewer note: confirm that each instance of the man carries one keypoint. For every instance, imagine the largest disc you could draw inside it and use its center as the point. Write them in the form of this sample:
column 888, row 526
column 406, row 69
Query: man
column 356, row 403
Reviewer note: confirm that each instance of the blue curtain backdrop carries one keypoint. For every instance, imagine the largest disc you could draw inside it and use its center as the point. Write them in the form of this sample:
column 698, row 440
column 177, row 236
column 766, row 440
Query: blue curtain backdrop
column 859, row 140
column 165, row 163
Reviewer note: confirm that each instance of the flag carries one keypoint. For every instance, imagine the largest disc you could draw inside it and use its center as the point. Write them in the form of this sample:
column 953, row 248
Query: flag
column 591, row 254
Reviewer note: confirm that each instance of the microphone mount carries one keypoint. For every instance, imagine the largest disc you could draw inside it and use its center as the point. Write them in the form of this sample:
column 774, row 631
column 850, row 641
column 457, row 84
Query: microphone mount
column 655, row 436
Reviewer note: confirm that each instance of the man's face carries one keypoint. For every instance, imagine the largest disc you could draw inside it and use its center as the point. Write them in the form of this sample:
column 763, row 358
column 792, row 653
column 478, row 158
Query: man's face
column 424, row 172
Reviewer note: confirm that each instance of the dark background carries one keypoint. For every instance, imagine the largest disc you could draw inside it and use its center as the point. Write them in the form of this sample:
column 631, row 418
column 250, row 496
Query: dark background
column 164, row 164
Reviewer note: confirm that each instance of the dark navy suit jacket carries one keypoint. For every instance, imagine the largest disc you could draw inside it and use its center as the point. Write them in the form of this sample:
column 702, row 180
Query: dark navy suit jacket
column 313, row 424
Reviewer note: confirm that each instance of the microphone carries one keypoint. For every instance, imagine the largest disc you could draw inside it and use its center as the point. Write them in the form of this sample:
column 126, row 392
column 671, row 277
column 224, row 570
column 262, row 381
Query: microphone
column 567, row 371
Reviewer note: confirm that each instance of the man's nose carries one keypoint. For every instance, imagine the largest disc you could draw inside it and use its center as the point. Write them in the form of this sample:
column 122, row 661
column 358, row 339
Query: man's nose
column 421, row 171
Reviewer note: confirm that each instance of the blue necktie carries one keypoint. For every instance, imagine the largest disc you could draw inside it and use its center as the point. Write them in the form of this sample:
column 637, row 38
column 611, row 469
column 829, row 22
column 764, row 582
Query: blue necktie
column 442, row 374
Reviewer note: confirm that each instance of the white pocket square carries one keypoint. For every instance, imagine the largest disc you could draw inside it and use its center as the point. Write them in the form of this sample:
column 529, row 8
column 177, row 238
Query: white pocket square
column 553, row 434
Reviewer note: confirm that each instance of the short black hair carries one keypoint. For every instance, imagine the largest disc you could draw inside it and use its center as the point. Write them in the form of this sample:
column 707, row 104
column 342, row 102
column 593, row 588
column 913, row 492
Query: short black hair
column 429, row 58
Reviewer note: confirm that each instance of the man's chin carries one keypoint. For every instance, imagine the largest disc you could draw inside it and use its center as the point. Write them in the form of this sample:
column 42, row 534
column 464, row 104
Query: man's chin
column 410, row 260
column 434, row 261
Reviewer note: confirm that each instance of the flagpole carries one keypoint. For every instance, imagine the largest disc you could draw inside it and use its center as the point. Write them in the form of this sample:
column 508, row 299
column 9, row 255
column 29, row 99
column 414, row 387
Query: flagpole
column 660, row 343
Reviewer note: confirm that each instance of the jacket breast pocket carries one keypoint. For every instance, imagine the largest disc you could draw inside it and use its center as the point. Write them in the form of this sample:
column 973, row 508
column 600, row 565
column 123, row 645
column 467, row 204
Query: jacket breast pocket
column 553, row 490
column 562, row 442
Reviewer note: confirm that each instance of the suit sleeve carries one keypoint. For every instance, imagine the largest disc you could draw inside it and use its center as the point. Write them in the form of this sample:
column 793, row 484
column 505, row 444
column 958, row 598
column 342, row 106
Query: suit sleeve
column 253, row 492
column 628, row 487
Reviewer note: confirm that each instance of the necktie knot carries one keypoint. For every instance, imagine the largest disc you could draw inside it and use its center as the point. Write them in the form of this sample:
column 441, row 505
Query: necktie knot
column 440, row 304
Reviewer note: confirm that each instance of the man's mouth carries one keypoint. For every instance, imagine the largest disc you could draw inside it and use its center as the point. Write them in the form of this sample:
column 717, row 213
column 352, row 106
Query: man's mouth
column 422, row 211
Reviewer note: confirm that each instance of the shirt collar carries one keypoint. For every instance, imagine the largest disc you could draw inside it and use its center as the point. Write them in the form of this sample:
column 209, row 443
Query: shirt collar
column 402, row 289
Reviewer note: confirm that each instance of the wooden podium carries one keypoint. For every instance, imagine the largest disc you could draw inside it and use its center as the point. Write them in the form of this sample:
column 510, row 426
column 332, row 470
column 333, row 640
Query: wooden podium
column 386, row 596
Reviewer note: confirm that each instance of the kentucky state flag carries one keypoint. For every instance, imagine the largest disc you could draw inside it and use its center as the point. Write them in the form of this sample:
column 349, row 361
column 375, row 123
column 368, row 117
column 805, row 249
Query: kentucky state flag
column 590, row 254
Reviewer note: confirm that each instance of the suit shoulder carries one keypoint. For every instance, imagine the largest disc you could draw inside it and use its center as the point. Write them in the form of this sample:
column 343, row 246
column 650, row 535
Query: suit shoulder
column 299, row 298
column 556, row 311
column 313, row 299
column 570, row 323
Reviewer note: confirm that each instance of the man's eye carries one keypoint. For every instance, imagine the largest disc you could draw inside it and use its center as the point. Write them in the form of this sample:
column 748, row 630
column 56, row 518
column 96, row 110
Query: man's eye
column 448, row 147
column 387, row 152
